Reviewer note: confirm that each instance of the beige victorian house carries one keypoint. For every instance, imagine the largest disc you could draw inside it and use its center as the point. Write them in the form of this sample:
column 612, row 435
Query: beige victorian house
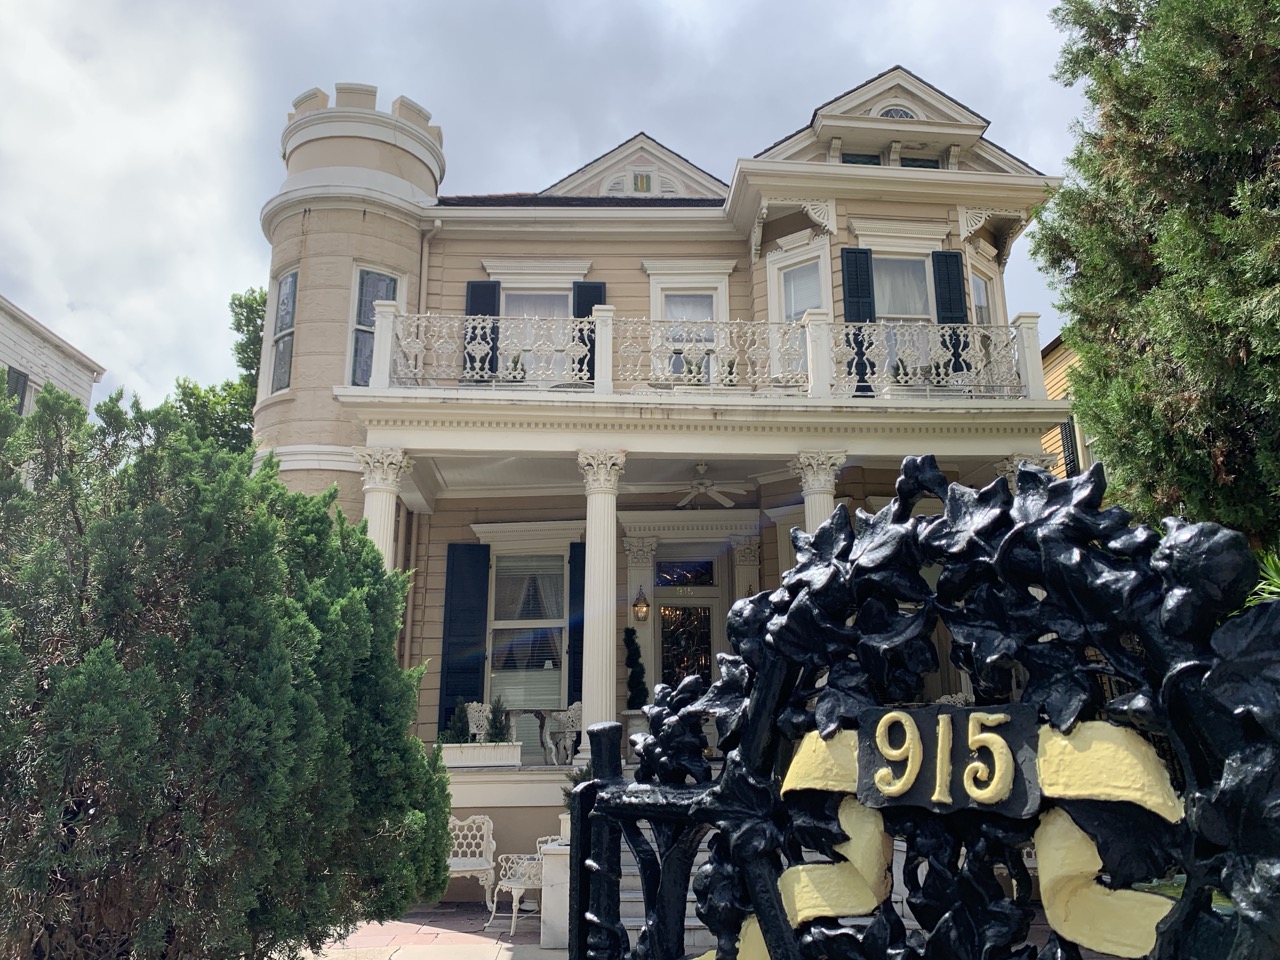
column 636, row 381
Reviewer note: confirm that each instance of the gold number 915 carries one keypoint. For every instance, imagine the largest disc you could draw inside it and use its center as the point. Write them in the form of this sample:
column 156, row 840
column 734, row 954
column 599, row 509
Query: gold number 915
column 986, row 784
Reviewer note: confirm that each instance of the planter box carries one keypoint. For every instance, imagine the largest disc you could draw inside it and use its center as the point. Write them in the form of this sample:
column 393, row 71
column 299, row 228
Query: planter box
column 481, row 754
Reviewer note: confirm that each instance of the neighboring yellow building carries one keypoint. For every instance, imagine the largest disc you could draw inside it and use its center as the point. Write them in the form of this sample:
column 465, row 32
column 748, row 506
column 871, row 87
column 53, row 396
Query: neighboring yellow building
column 637, row 380
column 1065, row 444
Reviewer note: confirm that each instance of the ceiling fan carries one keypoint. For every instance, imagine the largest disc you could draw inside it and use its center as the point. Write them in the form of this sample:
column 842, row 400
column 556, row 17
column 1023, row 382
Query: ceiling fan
column 701, row 486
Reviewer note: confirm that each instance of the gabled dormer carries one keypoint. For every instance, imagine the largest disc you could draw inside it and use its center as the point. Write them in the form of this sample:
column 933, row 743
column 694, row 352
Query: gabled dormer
column 897, row 119
column 640, row 168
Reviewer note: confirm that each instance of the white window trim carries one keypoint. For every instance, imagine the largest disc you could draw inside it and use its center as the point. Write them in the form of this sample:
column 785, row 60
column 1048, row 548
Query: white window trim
column 275, row 336
column 881, row 106
column 537, row 275
column 794, row 251
column 981, row 262
column 689, row 276
column 531, row 538
column 267, row 358
column 401, row 289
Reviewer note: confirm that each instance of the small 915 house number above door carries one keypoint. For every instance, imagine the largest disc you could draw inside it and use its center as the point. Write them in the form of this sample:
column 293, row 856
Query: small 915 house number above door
column 950, row 758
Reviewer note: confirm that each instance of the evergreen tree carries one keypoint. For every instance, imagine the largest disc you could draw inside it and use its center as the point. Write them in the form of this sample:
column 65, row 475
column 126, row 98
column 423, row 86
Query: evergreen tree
column 224, row 413
column 204, row 734
column 1164, row 246
column 637, row 688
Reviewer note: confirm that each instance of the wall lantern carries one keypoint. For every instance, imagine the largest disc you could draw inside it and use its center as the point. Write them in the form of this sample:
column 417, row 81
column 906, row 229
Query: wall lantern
column 640, row 609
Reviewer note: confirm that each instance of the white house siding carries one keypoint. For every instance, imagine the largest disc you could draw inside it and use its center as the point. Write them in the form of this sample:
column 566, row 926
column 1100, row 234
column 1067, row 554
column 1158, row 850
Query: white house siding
column 29, row 346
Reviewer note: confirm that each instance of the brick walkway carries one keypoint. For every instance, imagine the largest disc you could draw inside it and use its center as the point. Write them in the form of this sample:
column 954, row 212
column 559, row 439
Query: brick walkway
column 455, row 931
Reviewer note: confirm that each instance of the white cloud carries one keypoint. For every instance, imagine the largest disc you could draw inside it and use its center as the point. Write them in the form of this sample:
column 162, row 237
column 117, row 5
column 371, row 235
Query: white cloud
column 120, row 165
column 139, row 138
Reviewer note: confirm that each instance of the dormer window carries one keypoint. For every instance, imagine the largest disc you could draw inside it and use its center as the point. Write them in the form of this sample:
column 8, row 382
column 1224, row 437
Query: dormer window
column 897, row 113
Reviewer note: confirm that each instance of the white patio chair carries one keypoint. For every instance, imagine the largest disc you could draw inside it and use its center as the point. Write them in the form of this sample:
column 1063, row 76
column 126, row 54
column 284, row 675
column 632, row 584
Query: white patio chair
column 517, row 874
column 477, row 721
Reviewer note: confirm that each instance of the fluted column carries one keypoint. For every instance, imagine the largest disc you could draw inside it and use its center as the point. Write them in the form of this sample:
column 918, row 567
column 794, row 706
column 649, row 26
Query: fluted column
column 817, row 470
column 383, row 468
column 640, row 553
column 600, row 472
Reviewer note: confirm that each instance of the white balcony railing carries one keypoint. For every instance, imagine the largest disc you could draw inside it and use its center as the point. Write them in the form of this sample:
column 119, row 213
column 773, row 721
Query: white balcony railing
column 604, row 354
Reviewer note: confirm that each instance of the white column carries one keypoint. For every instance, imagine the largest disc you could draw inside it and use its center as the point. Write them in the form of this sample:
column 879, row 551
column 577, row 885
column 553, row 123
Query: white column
column 817, row 324
column 383, row 468
column 746, row 566
column 817, row 470
column 640, row 553
column 603, row 316
column 600, row 471
column 1026, row 328
column 384, row 335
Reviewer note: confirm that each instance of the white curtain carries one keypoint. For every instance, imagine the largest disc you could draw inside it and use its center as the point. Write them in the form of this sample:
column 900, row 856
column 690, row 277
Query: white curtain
column 900, row 287
column 536, row 305
column 529, row 588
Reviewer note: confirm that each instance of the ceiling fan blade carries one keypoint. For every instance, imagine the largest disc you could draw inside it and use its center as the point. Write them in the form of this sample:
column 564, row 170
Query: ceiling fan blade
column 732, row 487
column 687, row 498
column 720, row 498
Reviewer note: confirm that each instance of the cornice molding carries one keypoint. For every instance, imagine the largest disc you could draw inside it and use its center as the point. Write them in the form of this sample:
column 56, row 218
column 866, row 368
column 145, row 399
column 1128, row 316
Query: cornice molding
column 689, row 526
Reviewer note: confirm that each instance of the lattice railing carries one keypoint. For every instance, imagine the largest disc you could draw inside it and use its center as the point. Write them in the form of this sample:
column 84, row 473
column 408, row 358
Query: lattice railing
column 712, row 353
column 919, row 358
column 439, row 350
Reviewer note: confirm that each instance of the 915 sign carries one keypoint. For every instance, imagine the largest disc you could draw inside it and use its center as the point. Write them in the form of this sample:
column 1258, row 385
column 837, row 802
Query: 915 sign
column 950, row 758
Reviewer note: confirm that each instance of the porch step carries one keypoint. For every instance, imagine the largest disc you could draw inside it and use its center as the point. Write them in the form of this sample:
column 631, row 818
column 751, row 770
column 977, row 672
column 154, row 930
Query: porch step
column 697, row 938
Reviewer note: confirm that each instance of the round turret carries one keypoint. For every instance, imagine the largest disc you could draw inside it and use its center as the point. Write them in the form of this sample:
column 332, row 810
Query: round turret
column 345, row 230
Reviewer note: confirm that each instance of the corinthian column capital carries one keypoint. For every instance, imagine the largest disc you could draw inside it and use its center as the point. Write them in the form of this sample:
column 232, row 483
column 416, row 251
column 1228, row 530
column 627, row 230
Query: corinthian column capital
column 640, row 550
column 383, row 467
column 601, row 469
column 817, row 470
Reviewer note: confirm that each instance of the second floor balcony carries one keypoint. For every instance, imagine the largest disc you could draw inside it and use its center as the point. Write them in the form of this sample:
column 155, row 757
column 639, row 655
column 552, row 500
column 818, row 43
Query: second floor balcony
column 604, row 354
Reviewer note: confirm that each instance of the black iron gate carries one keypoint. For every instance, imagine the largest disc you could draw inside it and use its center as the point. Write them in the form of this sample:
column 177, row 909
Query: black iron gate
column 1133, row 644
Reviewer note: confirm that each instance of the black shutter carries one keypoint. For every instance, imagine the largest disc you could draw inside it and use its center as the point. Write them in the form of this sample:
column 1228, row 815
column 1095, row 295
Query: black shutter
column 859, row 295
column 1070, row 454
column 466, row 618
column 948, row 290
column 948, row 286
column 483, row 300
column 586, row 296
column 17, row 387
column 577, row 596
column 859, row 307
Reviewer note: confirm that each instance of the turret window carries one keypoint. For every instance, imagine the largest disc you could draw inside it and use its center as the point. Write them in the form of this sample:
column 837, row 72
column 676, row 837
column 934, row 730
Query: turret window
column 373, row 286
column 282, row 333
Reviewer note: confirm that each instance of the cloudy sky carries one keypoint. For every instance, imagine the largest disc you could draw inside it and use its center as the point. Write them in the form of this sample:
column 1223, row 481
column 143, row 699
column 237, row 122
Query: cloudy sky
column 140, row 138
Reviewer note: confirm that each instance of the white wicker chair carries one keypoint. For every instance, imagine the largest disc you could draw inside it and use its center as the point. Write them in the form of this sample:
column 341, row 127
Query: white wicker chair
column 472, row 853
column 477, row 721
column 518, row 873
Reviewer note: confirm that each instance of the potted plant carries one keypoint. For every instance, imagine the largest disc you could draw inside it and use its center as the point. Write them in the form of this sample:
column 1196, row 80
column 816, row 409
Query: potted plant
column 637, row 687
column 496, row 749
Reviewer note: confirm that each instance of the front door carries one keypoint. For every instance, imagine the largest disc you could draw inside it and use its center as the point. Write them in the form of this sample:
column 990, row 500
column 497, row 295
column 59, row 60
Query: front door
column 686, row 641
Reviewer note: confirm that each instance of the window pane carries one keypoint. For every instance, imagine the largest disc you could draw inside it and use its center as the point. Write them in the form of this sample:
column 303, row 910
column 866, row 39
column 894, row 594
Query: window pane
column 861, row 159
column 921, row 163
column 687, row 306
column 283, row 363
column 285, row 302
column 534, row 649
column 536, row 305
column 801, row 291
column 528, row 588
column 373, row 286
column 686, row 643
column 362, row 358
column 686, row 573
column 900, row 287
column 981, row 307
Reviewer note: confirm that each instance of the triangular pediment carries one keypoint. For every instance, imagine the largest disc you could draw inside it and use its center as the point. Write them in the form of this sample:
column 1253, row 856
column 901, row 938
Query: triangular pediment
column 897, row 108
column 639, row 168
